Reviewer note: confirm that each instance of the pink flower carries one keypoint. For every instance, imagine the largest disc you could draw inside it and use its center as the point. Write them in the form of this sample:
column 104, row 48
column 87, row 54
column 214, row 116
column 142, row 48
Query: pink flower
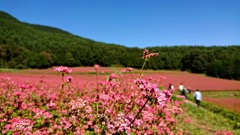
column 113, row 76
column 96, row 66
column 65, row 123
column 17, row 93
column 25, row 86
column 89, row 123
column 88, row 109
column 64, row 112
column 146, row 86
column 146, row 54
column 68, row 79
column 223, row 132
column 47, row 115
column 19, row 124
column 51, row 105
column 77, row 104
column 62, row 69
column 108, row 111
column 38, row 113
column 129, row 69
column 104, row 97
column 186, row 120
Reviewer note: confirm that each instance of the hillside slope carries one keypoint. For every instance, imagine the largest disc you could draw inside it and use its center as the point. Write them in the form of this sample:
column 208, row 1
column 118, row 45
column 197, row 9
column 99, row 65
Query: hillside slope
column 200, row 121
column 24, row 45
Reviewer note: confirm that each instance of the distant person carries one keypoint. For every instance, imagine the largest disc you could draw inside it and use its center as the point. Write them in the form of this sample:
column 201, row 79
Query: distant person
column 189, row 91
column 170, row 87
column 197, row 97
column 183, row 90
column 181, row 87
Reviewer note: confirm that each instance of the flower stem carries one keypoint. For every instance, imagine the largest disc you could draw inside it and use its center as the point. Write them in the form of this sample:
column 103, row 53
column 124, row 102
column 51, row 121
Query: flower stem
column 143, row 66
column 97, row 81
column 140, row 111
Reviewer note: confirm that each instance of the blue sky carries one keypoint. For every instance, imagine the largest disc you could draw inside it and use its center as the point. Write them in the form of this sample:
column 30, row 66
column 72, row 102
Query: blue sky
column 137, row 23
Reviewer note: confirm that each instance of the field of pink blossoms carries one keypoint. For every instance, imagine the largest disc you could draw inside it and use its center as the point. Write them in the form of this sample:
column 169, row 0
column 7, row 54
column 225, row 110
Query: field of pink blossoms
column 59, row 101
column 86, row 76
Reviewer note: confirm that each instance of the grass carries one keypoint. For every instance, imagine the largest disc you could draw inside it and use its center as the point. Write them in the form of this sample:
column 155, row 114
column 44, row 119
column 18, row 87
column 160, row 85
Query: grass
column 229, row 100
column 222, row 94
column 204, row 122
column 209, row 118
column 8, row 70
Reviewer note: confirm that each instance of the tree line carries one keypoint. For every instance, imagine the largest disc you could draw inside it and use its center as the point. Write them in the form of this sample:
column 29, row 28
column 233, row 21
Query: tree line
column 24, row 45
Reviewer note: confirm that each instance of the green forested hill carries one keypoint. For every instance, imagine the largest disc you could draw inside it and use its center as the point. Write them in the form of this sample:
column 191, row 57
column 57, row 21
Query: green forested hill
column 25, row 45
column 34, row 46
column 48, row 29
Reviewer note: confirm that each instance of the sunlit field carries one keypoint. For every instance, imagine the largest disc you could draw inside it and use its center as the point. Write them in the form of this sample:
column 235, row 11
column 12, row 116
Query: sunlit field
column 88, row 74
column 226, row 99
column 97, row 100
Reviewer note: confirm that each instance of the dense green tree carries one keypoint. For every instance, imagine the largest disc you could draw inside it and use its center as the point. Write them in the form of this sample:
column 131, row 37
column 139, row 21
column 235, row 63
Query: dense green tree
column 194, row 61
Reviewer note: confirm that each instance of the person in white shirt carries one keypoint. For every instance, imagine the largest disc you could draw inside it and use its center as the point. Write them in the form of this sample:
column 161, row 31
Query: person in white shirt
column 181, row 87
column 197, row 97
column 182, row 90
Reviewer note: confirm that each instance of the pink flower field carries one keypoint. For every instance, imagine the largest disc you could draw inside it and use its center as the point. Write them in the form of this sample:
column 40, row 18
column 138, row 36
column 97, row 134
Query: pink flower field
column 61, row 102
column 197, row 81
column 84, row 75
column 96, row 100
column 232, row 104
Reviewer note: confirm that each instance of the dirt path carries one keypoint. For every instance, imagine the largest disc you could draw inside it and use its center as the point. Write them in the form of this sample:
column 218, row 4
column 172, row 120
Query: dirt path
column 194, row 104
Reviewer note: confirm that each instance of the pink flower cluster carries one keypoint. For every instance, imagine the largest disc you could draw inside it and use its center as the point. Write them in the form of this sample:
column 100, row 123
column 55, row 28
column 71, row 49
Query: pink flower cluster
column 147, row 86
column 147, row 55
column 18, row 124
column 113, row 76
column 149, row 89
column 25, row 86
column 113, row 108
column 122, row 123
column 81, row 110
column 129, row 69
column 62, row 69
column 77, row 104
column 96, row 66
column 68, row 79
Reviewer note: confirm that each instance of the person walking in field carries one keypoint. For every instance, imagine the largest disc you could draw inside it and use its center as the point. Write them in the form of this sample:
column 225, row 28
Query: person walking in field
column 197, row 97
column 183, row 90
column 181, row 87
